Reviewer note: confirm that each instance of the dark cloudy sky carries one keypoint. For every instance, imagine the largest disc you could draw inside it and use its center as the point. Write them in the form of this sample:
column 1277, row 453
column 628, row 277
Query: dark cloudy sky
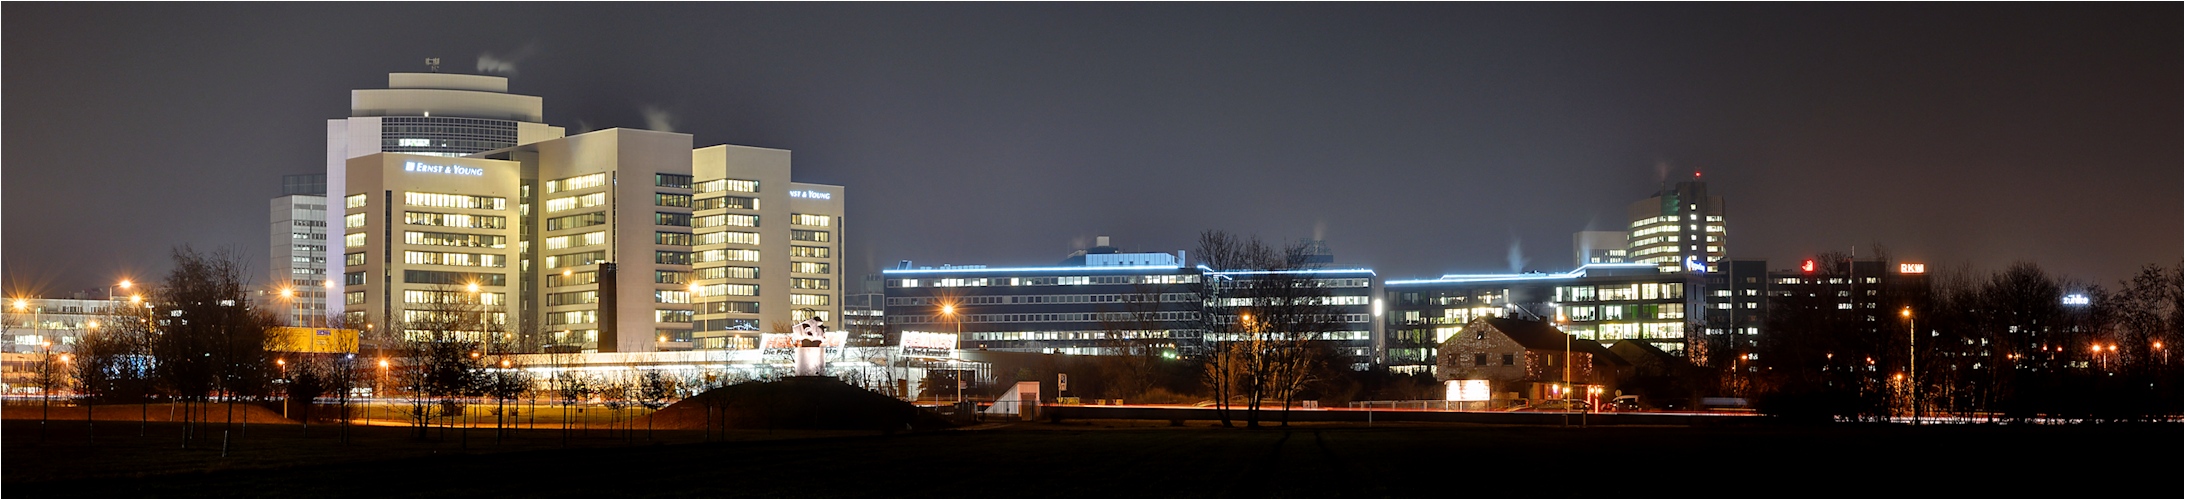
column 1416, row 138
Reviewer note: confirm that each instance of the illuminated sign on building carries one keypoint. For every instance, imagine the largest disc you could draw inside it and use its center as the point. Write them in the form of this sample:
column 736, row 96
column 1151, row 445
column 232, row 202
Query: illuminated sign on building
column 1912, row 268
column 816, row 195
column 1692, row 263
column 2077, row 299
column 1807, row 267
column 412, row 166
column 1468, row 390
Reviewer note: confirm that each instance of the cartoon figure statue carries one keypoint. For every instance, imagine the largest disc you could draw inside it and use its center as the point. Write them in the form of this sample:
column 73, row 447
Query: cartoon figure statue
column 811, row 358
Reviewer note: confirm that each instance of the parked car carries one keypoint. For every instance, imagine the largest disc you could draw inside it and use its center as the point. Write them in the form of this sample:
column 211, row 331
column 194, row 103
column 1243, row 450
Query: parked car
column 1624, row 403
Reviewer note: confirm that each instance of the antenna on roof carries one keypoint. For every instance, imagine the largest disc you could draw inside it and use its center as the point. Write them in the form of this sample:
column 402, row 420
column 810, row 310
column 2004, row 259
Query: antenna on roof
column 434, row 63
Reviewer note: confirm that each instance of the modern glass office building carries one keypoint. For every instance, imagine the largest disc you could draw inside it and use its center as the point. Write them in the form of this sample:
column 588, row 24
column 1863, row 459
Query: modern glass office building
column 1601, row 302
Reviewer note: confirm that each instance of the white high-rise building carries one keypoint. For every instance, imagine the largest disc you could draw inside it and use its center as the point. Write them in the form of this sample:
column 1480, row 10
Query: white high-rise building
column 298, row 250
column 436, row 114
column 618, row 240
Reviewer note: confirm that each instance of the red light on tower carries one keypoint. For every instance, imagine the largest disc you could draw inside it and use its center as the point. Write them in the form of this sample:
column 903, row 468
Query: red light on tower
column 1807, row 267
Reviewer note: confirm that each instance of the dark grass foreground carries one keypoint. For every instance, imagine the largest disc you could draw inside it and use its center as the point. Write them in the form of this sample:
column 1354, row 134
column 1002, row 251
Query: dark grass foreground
column 1090, row 460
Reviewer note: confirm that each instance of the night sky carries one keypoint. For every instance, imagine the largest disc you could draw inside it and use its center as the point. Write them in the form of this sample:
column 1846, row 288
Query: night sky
column 1417, row 139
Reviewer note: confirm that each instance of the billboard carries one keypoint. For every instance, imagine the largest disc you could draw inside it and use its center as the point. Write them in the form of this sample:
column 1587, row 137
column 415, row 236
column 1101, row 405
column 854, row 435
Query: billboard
column 928, row 344
column 319, row 340
column 1468, row 390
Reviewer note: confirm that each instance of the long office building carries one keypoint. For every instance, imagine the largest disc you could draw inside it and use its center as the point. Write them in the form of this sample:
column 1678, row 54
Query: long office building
column 1104, row 301
column 1097, row 302
column 1600, row 302
column 618, row 240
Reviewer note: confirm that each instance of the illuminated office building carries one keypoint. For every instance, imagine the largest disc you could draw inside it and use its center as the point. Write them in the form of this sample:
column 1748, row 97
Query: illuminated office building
column 429, row 114
column 1100, row 301
column 618, row 240
column 298, row 250
column 1601, row 302
column 1680, row 228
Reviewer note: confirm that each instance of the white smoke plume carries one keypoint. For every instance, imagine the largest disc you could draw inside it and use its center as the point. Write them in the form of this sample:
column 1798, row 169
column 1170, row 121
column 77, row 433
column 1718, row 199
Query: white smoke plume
column 657, row 118
column 490, row 63
column 1517, row 254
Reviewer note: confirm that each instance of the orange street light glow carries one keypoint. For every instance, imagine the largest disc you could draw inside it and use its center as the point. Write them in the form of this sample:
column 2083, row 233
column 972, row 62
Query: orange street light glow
column 126, row 284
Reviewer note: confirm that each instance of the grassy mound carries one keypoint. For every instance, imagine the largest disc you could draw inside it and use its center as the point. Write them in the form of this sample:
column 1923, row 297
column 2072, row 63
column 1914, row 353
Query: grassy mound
column 796, row 403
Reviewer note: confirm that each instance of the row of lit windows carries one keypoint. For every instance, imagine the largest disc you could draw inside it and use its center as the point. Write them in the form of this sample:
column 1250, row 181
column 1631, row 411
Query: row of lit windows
column 454, row 239
column 454, row 259
column 735, row 185
column 809, row 283
column 1044, row 281
column 730, row 272
column 736, row 307
column 808, row 299
column 671, row 296
column 808, row 267
column 1103, row 298
column 572, row 278
column 452, row 297
column 671, row 200
column 812, row 252
column 671, row 238
column 671, row 315
column 671, row 257
column 576, row 221
column 810, row 220
column 451, row 220
column 1620, row 331
column 1046, row 317
column 352, row 240
column 805, row 235
column 1623, row 312
column 583, row 317
column 576, row 259
column 721, row 202
column 443, row 200
column 576, row 240
column 728, row 290
column 414, row 318
column 671, row 277
column 729, row 237
column 736, row 220
column 572, row 298
column 576, row 183
column 1634, row 291
column 575, row 202
column 353, row 201
column 1339, row 335
column 1075, row 335
column 1340, row 300
column 727, row 255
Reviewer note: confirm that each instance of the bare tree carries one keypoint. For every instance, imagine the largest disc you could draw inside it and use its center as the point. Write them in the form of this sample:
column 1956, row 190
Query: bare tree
column 442, row 344
column 1264, row 318
column 210, row 339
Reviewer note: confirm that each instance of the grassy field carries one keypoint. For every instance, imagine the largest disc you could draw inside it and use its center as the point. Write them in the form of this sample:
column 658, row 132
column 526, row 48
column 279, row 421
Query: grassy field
column 1112, row 459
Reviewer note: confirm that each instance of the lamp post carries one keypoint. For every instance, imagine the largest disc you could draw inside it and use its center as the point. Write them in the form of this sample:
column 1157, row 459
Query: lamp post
column 949, row 310
column 1911, row 351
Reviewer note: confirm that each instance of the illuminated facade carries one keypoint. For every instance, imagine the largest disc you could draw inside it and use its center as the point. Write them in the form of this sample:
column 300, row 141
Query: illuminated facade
column 61, row 321
column 1680, row 228
column 298, row 250
column 1120, row 303
column 617, row 240
column 422, row 232
column 1350, row 294
column 430, row 114
column 1600, row 302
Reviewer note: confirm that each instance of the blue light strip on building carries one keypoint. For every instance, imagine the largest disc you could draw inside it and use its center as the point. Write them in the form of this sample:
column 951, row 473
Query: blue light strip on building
column 1203, row 268
column 1580, row 272
column 1032, row 269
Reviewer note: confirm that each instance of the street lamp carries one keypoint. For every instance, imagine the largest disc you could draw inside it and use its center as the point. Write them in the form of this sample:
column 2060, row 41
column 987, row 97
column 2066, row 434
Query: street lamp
column 949, row 310
column 1911, row 332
